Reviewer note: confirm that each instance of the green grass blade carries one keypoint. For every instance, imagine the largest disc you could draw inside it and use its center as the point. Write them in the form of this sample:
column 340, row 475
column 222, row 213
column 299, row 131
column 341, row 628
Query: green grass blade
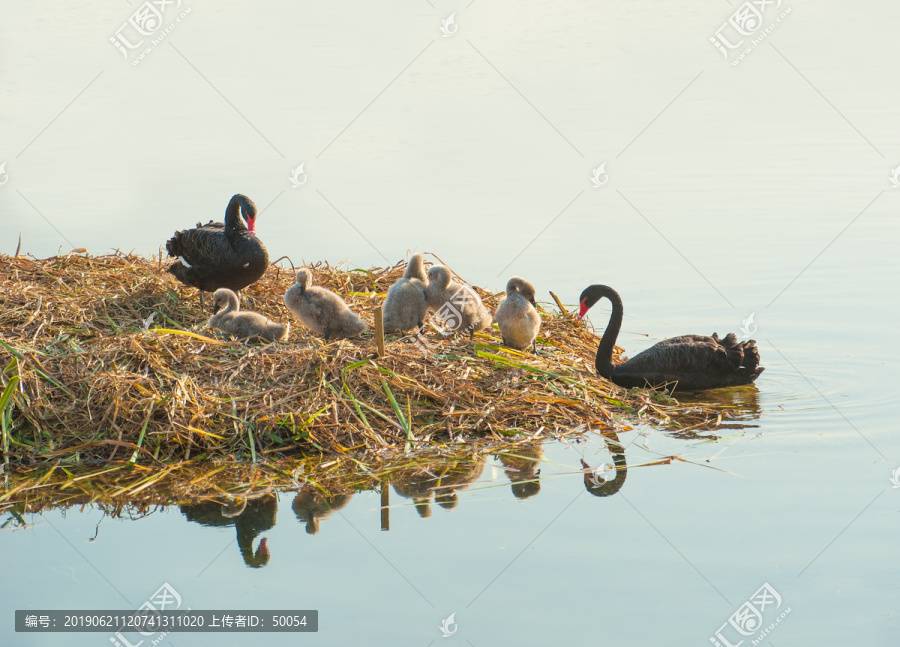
column 252, row 444
column 356, row 406
column 4, row 402
column 397, row 409
column 140, row 441
column 7, row 393
column 10, row 349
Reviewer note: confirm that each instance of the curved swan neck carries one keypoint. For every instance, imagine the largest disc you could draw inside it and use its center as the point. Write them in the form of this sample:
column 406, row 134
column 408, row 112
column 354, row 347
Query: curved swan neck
column 416, row 268
column 233, row 305
column 589, row 297
column 439, row 276
column 245, row 538
column 240, row 209
column 304, row 280
column 523, row 287
column 248, row 210
column 231, row 302
column 233, row 223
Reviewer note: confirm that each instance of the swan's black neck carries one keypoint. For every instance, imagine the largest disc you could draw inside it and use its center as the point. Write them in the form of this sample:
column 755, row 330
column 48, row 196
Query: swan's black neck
column 605, row 350
column 257, row 518
column 240, row 208
column 245, row 538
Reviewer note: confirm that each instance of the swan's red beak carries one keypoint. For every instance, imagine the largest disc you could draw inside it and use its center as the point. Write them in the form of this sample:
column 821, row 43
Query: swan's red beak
column 251, row 227
column 263, row 547
column 582, row 310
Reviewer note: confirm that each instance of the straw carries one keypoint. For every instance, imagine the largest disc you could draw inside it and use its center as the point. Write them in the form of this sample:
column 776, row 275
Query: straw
column 84, row 377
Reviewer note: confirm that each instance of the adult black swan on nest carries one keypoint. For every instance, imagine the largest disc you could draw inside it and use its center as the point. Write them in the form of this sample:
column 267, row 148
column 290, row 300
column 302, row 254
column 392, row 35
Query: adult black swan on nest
column 220, row 255
column 688, row 363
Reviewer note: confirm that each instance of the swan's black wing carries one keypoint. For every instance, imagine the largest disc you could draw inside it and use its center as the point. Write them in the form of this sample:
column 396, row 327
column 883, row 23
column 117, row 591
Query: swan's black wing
column 694, row 362
column 205, row 245
column 208, row 260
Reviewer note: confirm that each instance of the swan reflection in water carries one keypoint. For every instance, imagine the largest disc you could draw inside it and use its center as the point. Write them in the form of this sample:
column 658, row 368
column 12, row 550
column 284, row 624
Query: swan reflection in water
column 523, row 468
column 605, row 479
column 439, row 480
column 442, row 480
column 739, row 407
column 743, row 401
column 249, row 517
column 312, row 505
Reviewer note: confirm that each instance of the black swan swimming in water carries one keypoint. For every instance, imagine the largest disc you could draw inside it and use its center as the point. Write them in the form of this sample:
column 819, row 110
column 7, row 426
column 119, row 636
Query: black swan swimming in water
column 688, row 363
column 220, row 255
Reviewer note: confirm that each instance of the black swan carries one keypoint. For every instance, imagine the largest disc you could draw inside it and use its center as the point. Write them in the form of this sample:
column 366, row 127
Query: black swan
column 688, row 363
column 220, row 255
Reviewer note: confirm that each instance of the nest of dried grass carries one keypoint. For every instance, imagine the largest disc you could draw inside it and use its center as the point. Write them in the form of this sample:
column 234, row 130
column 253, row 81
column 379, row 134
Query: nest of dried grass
column 107, row 359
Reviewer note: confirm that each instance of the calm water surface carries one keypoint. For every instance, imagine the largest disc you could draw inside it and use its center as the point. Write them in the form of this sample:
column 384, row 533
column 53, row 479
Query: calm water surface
column 759, row 188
